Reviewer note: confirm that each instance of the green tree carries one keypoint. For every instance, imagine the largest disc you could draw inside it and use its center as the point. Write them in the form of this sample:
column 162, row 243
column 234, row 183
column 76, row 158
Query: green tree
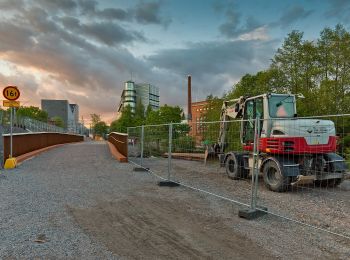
column 288, row 58
column 148, row 110
column 101, row 128
column 165, row 115
column 32, row 112
column 95, row 118
column 58, row 121
column 334, row 63
column 139, row 117
column 213, row 108
column 126, row 120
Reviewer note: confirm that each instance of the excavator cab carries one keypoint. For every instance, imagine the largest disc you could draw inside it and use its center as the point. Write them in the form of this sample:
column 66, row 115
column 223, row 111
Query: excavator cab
column 269, row 108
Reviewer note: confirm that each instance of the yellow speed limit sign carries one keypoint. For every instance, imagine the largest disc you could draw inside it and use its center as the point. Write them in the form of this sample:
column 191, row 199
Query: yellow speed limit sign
column 11, row 93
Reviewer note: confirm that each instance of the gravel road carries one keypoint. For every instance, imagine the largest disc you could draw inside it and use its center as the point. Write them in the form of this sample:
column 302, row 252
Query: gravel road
column 77, row 202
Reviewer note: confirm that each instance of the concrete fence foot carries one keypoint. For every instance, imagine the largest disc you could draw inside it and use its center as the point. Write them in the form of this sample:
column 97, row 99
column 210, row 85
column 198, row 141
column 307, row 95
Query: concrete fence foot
column 140, row 169
column 252, row 213
column 168, row 184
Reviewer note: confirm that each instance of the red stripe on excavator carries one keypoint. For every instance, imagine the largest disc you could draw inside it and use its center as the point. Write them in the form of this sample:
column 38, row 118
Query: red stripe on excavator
column 293, row 145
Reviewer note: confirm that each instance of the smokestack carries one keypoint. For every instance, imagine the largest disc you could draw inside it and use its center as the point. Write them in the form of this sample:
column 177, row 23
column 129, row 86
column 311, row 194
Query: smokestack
column 189, row 108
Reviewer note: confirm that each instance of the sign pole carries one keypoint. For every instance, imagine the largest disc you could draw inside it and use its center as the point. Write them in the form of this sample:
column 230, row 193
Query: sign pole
column 11, row 132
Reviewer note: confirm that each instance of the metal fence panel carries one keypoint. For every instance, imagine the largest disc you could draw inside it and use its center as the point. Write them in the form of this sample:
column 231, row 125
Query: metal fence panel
column 235, row 165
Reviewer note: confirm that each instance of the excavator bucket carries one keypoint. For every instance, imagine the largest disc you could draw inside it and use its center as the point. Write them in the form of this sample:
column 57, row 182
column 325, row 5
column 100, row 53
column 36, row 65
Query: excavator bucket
column 302, row 180
column 214, row 156
column 210, row 155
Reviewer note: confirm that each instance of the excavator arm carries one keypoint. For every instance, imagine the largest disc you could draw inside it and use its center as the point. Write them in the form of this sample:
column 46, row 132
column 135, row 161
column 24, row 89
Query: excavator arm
column 231, row 109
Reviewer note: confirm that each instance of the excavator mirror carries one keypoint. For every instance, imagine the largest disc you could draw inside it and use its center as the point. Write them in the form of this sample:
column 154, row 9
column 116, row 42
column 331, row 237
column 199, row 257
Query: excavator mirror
column 236, row 107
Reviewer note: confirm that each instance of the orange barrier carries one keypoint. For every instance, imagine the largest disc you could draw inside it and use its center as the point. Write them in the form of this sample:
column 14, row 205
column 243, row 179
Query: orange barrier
column 29, row 142
column 118, row 144
column 116, row 154
column 23, row 157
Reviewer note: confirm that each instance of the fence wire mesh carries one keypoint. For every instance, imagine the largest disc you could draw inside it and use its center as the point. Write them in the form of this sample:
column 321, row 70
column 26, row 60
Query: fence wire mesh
column 301, row 163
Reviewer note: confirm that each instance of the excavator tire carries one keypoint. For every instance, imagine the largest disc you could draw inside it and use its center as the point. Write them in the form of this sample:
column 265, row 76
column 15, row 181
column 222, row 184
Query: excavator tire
column 274, row 178
column 234, row 167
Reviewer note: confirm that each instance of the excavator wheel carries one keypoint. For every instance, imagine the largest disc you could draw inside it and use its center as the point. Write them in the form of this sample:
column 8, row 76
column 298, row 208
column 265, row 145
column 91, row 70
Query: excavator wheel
column 234, row 167
column 274, row 178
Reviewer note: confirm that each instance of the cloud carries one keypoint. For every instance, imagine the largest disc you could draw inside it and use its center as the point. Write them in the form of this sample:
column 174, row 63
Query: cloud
column 257, row 34
column 212, row 63
column 109, row 33
column 233, row 26
column 39, row 20
column 17, row 37
column 113, row 14
column 292, row 15
column 90, row 8
column 339, row 9
column 11, row 5
column 149, row 13
column 87, row 6
column 143, row 12
column 54, row 5
column 62, row 55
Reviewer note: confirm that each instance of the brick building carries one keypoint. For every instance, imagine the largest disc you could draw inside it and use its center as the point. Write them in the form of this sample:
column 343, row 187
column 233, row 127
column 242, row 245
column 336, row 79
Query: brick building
column 198, row 111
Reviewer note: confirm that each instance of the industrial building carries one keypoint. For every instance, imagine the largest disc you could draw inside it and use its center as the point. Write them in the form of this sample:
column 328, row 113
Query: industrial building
column 198, row 114
column 146, row 93
column 69, row 113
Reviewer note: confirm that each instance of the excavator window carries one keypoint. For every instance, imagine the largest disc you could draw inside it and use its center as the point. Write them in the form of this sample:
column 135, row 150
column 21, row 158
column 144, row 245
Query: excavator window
column 281, row 106
column 253, row 108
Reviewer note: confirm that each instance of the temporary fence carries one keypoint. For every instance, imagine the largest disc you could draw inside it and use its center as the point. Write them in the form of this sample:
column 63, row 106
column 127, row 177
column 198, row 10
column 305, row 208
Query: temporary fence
column 293, row 168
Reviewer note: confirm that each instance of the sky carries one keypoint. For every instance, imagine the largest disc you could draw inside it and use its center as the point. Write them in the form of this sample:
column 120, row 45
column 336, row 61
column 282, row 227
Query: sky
column 84, row 51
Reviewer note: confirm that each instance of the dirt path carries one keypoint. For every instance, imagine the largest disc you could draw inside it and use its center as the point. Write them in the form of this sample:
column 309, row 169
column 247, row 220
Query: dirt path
column 153, row 228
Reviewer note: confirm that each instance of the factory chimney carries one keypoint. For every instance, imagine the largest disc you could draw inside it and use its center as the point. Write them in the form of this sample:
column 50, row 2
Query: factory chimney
column 189, row 105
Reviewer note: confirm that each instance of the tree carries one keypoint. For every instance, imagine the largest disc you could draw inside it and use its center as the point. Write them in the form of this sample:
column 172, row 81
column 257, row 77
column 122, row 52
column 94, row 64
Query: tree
column 213, row 108
column 165, row 115
column 148, row 110
column 334, row 63
column 101, row 128
column 57, row 121
column 320, row 70
column 288, row 60
column 139, row 117
column 126, row 120
column 95, row 118
column 32, row 112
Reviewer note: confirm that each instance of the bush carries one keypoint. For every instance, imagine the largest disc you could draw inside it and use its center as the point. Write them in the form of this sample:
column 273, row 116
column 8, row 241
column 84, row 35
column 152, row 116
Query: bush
column 344, row 144
column 184, row 144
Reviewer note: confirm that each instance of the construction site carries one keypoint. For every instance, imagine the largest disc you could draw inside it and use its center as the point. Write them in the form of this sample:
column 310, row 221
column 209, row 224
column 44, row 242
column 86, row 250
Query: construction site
column 259, row 183
column 151, row 129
